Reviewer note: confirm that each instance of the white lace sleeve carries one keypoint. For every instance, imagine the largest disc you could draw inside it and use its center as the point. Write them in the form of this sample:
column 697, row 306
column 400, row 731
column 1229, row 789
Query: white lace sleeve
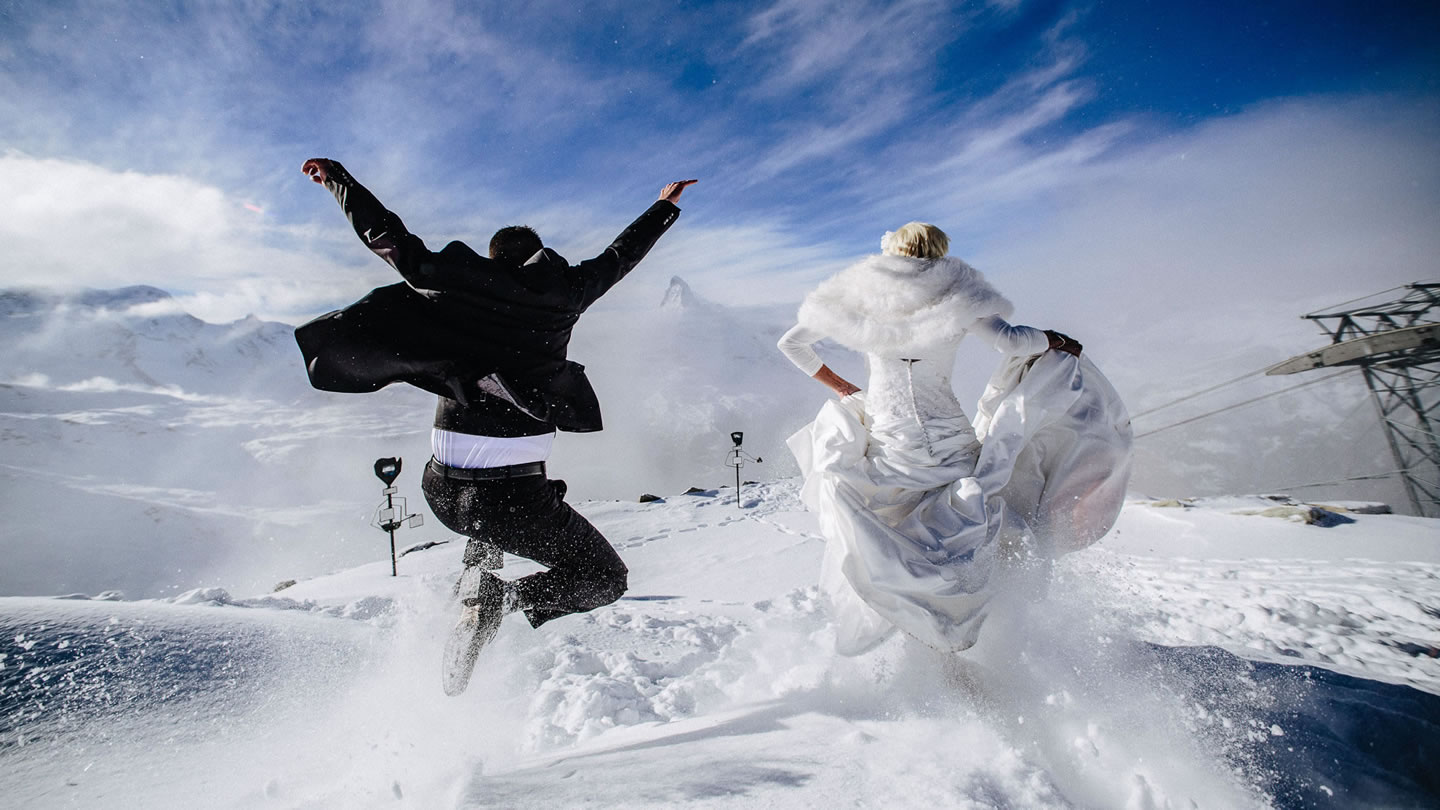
column 795, row 345
column 1010, row 340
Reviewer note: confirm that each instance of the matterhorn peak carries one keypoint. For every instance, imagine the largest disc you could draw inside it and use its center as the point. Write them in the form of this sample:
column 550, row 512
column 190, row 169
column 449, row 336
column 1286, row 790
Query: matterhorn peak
column 679, row 296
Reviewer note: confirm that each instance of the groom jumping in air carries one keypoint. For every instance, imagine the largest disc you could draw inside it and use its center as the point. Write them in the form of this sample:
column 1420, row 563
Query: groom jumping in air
column 489, row 336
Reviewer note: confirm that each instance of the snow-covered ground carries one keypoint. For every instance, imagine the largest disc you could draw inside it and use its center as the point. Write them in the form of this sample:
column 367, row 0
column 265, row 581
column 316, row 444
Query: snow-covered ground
column 1218, row 653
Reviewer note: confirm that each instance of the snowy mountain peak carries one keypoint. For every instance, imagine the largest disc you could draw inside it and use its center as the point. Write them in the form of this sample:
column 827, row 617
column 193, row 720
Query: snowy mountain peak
column 119, row 298
column 140, row 335
column 679, row 296
column 21, row 302
column 32, row 302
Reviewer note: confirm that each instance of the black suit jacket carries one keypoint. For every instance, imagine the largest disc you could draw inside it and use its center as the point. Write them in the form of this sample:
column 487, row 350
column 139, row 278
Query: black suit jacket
column 489, row 338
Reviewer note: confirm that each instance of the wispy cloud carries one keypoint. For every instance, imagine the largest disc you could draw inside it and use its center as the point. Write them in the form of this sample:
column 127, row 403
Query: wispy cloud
column 70, row 224
column 837, row 75
column 841, row 48
column 149, row 138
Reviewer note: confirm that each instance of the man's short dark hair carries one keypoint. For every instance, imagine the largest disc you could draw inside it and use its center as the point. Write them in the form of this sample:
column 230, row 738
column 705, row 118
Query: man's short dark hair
column 515, row 244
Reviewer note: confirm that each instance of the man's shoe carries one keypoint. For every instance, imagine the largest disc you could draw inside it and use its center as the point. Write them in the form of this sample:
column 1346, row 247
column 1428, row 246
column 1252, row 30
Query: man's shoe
column 469, row 582
column 489, row 599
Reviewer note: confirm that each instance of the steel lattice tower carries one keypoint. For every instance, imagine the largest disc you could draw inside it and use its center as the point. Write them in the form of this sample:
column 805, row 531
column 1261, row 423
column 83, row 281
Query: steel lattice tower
column 1397, row 347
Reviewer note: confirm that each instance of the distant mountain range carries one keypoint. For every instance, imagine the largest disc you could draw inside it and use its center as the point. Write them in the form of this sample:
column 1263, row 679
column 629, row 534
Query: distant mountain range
column 138, row 336
column 143, row 449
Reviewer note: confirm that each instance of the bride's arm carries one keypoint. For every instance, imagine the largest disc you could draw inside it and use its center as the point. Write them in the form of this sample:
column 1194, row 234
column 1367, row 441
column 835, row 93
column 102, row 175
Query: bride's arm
column 796, row 345
column 1008, row 339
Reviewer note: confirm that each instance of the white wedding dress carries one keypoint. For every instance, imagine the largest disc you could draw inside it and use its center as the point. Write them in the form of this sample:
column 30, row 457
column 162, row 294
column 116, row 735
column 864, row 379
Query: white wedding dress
column 922, row 510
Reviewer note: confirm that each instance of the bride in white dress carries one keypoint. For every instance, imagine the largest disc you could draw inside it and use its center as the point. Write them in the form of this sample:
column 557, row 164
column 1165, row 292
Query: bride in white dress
column 923, row 511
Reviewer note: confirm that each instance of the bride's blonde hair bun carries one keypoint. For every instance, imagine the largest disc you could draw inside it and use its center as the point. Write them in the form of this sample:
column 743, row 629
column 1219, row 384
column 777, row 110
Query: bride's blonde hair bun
column 920, row 240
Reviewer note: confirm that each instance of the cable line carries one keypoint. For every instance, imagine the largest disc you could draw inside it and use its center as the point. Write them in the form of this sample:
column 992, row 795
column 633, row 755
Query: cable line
column 1244, row 403
column 1353, row 300
column 1370, row 477
column 1198, row 393
column 1244, row 377
column 1415, row 428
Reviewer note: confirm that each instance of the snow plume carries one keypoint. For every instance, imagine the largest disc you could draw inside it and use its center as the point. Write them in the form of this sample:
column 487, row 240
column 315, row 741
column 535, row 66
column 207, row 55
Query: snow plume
column 105, row 385
column 1047, row 711
column 1050, row 671
column 676, row 374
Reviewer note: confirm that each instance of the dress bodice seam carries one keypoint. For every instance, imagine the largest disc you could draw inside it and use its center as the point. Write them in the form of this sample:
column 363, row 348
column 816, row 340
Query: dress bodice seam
column 915, row 405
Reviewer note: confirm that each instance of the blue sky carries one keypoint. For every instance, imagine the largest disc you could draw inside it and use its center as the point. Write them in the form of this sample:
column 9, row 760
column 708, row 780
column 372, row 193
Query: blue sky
column 160, row 142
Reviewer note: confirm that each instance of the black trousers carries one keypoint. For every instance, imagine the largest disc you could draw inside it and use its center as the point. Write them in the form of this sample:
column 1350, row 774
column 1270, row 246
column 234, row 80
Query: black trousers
column 526, row 517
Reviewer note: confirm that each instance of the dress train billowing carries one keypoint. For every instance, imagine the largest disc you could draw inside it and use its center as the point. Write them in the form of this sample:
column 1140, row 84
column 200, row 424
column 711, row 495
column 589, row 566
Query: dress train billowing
column 922, row 511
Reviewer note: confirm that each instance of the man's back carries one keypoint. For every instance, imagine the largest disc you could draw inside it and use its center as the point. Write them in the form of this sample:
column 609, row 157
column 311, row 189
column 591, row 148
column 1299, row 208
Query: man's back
column 480, row 320
column 522, row 315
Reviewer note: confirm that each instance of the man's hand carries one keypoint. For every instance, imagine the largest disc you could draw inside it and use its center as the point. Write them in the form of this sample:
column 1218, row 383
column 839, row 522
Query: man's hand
column 1063, row 343
column 319, row 169
column 671, row 192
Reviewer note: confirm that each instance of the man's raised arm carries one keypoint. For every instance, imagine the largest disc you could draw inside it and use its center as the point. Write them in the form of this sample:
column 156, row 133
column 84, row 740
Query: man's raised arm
column 380, row 229
column 599, row 274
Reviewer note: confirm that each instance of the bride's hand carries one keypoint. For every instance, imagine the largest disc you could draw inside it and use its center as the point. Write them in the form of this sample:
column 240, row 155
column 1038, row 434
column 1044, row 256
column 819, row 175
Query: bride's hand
column 1063, row 343
column 835, row 382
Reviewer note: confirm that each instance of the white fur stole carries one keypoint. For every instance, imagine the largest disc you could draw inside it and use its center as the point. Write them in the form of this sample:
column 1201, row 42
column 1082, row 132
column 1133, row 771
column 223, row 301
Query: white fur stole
column 894, row 305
